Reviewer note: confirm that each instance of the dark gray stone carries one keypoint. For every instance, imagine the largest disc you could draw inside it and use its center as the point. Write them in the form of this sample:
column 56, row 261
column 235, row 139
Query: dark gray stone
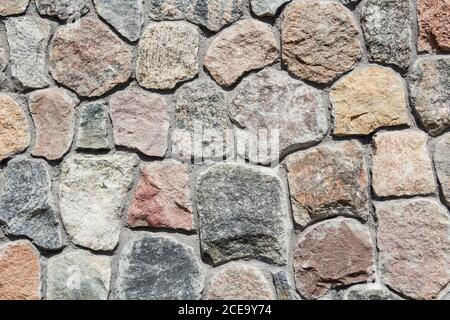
column 267, row 8
column 283, row 287
column 94, row 128
column 369, row 292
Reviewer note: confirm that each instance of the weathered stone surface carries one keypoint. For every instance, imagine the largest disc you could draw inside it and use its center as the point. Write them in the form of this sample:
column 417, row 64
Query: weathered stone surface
column 125, row 16
column 62, row 9
column 92, row 193
column 242, row 214
column 14, row 128
column 369, row 292
column 89, row 58
column 273, row 102
column 320, row 40
column 430, row 92
column 20, row 272
column 401, row 164
column 413, row 241
column 28, row 38
column 94, row 127
column 283, row 286
column 328, row 181
column 53, row 113
column 239, row 282
column 158, row 268
column 4, row 50
column 10, row 7
column 267, row 8
column 78, row 275
column 141, row 121
column 245, row 46
column 442, row 164
column 330, row 254
column 367, row 99
column 26, row 204
column 434, row 25
column 167, row 55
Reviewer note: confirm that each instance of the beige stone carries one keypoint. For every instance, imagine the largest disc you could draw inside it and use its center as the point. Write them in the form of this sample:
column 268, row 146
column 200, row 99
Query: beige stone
column 10, row 7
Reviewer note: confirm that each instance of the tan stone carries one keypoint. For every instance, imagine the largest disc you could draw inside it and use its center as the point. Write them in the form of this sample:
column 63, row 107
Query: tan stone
column 434, row 25
column 10, row 7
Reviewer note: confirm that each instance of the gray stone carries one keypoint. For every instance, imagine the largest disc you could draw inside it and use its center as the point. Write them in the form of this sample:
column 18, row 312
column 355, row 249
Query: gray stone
column 63, row 9
column 267, row 8
column 4, row 50
column 442, row 164
column 94, row 127
column 369, row 292
column 283, row 287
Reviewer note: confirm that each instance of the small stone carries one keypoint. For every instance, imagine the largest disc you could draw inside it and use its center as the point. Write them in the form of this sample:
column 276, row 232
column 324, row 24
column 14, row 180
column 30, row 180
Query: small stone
column 333, row 253
column 434, row 25
column 367, row 99
column 320, row 40
column 26, row 204
column 283, row 287
column 63, row 9
column 158, row 268
column 20, row 271
column 162, row 197
column 414, row 244
column 92, row 193
column 4, row 50
column 369, row 292
column 430, row 87
column 78, row 275
column 89, row 58
column 94, row 127
column 10, row 7
column 167, row 55
column 267, row 8
column 401, row 164
column 245, row 46
column 53, row 112
column 239, row 282
column 242, row 214
column 442, row 164
column 141, row 121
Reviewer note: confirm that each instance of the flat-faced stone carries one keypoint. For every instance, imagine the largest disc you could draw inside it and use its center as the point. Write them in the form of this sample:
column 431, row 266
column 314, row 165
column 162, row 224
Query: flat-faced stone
column 442, row 164
column 266, row 8
column 10, row 7
column 4, row 50
column 369, row 292
column 62, row 9
column 94, row 127
column 434, row 25
column 283, row 287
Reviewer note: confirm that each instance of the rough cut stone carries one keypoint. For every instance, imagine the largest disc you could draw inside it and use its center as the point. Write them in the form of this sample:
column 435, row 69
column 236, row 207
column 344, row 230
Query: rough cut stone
column 4, row 50
column 78, row 275
column 167, row 55
column 94, row 127
column 283, row 286
column 442, row 164
column 402, row 165
column 320, row 40
column 267, row 8
column 333, row 253
column 26, row 204
column 245, row 46
column 158, row 268
column 434, row 25
column 369, row 292
column 413, row 241
column 367, row 99
column 242, row 214
column 63, row 9
column 10, row 7
column 141, row 121
column 89, row 58
column 92, row 193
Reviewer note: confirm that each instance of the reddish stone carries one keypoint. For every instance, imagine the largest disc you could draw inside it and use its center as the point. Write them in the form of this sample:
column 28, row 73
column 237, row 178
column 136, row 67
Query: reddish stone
column 434, row 25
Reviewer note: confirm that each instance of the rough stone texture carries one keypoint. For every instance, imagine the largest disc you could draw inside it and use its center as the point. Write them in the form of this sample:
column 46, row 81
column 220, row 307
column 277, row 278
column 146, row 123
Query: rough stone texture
column 245, row 46
column 53, row 112
column 167, row 55
column 442, row 164
column 369, row 292
column 367, row 99
column 430, row 92
column 266, row 8
column 242, row 214
column 283, row 287
column 62, row 9
column 26, row 203
column 78, row 275
column 10, row 7
column 413, row 240
column 92, row 193
column 320, row 40
column 89, row 58
column 141, row 121
column 434, row 25
column 239, row 282
column 4, row 50
column 20, row 272
column 162, row 197
column 328, row 181
column 402, row 165
column 94, row 127
column 331, row 254
column 158, row 268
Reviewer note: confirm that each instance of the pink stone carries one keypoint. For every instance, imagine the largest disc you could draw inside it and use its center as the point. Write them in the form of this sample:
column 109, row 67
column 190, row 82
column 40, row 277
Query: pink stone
column 434, row 25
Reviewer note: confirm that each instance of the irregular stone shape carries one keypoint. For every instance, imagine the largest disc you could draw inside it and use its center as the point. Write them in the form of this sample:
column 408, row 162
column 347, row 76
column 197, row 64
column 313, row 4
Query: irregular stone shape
column 162, row 197
column 283, row 287
column 78, row 275
column 267, row 8
column 320, row 40
column 272, row 102
column 10, row 7
column 369, row 292
column 4, row 50
column 430, row 92
column 245, row 46
column 401, row 164
column 167, row 55
column 63, row 9
column 125, row 16
column 328, row 181
column 141, row 121
column 242, row 214
column 434, row 25
column 239, row 282
column 14, row 129
column 94, row 127
column 28, row 38
column 367, row 99
column 20, row 272
column 53, row 112
column 333, row 253
column 442, row 164
column 89, row 58
column 92, row 193
column 26, row 203
column 413, row 241
column 158, row 268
